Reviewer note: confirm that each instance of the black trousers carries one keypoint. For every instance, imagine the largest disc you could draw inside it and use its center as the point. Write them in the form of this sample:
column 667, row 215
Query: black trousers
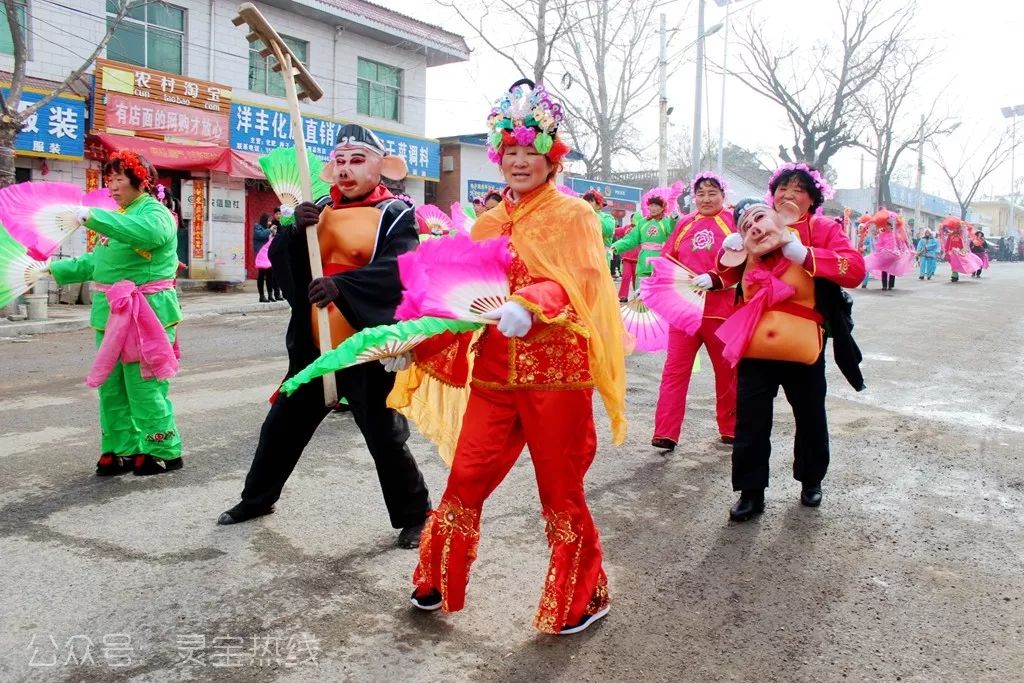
column 292, row 420
column 757, row 385
column 266, row 275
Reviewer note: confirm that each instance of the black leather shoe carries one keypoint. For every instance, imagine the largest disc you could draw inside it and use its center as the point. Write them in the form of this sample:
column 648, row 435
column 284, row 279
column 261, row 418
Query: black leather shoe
column 409, row 538
column 242, row 513
column 662, row 442
column 811, row 496
column 749, row 505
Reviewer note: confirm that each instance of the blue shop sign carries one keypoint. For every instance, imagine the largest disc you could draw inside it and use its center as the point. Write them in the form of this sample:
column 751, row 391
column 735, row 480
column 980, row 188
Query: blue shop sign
column 56, row 131
column 260, row 129
column 480, row 188
column 622, row 193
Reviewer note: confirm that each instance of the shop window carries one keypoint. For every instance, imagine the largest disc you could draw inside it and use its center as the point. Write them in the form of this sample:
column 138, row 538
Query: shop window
column 378, row 90
column 152, row 34
column 262, row 77
column 6, row 41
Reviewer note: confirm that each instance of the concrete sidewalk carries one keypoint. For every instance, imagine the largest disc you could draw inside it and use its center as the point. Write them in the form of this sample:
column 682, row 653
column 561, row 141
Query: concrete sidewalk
column 195, row 303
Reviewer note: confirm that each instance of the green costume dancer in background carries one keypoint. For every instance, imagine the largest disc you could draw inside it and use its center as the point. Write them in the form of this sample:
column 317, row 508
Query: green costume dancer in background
column 649, row 234
column 596, row 201
column 134, row 312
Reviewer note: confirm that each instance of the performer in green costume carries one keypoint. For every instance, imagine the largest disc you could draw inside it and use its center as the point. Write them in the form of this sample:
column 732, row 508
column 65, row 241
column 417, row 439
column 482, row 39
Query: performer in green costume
column 596, row 201
column 134, row 312
column 649, row 234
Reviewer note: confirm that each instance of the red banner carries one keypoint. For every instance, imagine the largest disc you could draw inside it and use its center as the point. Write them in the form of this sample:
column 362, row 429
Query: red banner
column 167, row 120
column 198, row 209
column 92, row 182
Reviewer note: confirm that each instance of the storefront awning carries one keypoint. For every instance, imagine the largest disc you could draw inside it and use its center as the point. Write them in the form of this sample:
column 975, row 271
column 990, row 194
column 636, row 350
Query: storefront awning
column 186, row 157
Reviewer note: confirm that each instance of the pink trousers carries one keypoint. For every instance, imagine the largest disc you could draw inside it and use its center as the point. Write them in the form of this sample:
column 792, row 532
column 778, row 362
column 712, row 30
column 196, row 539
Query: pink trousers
column 675, row 381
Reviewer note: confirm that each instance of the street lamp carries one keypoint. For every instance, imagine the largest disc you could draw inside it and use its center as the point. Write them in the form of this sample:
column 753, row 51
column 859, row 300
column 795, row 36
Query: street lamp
column 663, row 109
column 1013, row 113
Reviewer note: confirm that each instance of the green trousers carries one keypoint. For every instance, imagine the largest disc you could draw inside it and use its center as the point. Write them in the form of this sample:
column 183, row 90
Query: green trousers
column 135, row 414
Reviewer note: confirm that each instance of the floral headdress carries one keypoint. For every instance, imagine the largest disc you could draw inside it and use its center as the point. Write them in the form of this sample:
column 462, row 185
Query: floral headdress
column 708, row 175
column 525, row 115
column 669, row 195
column 815, row 176
column 131, row 161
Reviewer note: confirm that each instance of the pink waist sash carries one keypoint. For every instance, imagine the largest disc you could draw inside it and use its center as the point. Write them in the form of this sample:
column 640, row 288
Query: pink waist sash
column 134, row 333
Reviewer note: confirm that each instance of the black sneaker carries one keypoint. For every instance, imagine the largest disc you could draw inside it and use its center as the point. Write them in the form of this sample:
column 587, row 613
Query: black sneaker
column 110, row 465
column 146, row 465
column 427, row 603
column 584, row 623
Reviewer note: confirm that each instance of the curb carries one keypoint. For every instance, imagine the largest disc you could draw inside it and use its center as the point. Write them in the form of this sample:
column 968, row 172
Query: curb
column 33, row 327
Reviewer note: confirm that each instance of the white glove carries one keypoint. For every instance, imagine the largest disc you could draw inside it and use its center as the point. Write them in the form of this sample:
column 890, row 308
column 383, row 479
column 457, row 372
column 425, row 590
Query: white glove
column 794, row 250
column 513, row 319
column 703, row 281
column 82, row 214
column 733, row 242
column 397, row 363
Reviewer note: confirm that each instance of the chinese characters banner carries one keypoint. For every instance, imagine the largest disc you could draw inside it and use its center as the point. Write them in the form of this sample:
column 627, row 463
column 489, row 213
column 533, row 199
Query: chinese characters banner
column 165, row 120
column 92, row 182
column 198, row 216
column 55, row 130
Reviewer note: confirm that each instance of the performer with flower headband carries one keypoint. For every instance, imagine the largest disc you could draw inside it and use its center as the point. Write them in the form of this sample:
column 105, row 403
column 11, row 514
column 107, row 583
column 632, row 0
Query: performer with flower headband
column 651, row 227
column 558, row 338
column 134, row 312
column 794, row 264
column 695, row 244
column 361, row 235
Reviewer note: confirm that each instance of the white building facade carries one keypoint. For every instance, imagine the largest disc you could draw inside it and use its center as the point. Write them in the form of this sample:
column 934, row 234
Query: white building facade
column 370, row 62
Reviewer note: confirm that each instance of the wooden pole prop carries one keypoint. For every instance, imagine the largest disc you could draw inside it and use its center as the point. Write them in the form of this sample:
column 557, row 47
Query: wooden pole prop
column 293, row 71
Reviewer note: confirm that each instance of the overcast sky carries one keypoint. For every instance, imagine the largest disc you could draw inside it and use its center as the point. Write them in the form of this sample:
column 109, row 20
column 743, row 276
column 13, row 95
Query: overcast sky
column 979, row 71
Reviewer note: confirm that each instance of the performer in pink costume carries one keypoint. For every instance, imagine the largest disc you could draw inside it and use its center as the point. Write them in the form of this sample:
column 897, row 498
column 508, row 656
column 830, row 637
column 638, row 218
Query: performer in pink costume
column 695, row 243
column 954, row 247
column 893, row 254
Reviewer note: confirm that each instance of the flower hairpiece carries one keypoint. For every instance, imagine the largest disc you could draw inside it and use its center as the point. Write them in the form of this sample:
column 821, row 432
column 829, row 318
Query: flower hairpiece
column 708, row 175
column 160, row 191
column 526, row 115
column 130, row 162
column 815, row 176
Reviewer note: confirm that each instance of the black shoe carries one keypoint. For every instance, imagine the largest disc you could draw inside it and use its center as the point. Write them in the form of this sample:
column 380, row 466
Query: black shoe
column 278, row 297
column 920, row 277
column 242, row 513
column 662, row 442
column 750, row 504
column 264, row 300
column 727, row 439
column 409, row 538
column 428, row 603
column 110, row 465
column 811, row 496
column 146, row 465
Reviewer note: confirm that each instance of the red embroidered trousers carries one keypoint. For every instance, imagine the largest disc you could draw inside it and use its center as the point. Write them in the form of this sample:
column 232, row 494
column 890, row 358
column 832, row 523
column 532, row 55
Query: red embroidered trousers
column 558, row 426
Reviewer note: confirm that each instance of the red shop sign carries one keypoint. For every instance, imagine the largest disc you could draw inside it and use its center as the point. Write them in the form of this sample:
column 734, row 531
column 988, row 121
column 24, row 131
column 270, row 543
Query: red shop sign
column 166, row 120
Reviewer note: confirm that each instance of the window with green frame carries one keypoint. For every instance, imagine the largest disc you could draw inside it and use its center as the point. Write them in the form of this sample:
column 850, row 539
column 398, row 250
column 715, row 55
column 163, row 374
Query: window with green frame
column 6, row 41
column 152, row 34
column 378, row 90
column 262, row 77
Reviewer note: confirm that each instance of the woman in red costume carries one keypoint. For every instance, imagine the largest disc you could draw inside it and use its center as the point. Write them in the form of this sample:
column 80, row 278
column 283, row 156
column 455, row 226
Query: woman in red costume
column 695, row 243
column 558, row 338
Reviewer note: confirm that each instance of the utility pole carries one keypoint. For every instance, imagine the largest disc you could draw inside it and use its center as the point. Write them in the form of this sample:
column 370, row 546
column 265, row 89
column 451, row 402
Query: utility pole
column 1011, row 229
column 663, row 107
column 721, row 114
column 695, row 152
column 920, row 172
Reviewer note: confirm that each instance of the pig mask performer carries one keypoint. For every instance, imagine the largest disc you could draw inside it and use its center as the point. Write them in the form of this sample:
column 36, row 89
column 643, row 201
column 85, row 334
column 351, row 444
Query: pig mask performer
column 361, row 234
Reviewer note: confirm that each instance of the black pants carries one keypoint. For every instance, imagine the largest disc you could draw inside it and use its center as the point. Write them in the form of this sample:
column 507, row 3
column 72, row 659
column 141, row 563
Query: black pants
column 292, row 420
column 266, row 275
column 888, row 281
column 758, row 383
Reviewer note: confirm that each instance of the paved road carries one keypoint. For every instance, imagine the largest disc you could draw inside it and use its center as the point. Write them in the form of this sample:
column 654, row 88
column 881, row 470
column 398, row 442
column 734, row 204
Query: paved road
column 911, row 570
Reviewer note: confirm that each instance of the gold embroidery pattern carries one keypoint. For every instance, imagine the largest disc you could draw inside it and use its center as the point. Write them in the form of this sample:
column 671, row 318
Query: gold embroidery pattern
column 556, row 600
column 601, row 598
column 844, row 265
column 558, row 357
column 453, row 518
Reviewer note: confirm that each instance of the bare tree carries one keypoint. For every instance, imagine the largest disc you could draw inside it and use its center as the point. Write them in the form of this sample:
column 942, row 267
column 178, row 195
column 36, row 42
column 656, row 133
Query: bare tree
column 972, row 166
column 13, row 118
column 816, row 85
column 883, row 107
column 607, row 54
column 541, row 23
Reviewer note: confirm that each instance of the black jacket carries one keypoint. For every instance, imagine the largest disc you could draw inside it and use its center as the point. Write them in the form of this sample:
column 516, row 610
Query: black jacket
column 836, row 306
column 368, row 296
